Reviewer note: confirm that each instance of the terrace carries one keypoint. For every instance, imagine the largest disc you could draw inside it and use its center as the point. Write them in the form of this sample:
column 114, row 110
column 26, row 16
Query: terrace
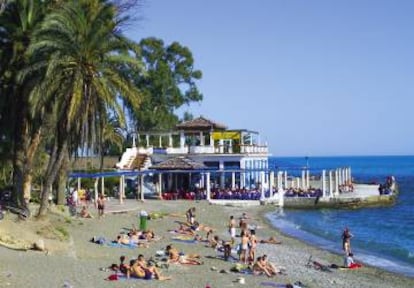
column 201, row 136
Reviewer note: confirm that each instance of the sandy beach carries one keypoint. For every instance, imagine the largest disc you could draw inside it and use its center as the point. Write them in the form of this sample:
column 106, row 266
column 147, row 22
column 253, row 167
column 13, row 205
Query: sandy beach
column 76, row 262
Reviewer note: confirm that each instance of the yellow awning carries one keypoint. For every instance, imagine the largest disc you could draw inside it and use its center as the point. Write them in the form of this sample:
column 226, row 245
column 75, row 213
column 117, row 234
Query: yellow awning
column 224, row 135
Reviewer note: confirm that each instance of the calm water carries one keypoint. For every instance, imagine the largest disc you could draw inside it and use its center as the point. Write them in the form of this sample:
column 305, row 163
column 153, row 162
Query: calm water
column 383, row 237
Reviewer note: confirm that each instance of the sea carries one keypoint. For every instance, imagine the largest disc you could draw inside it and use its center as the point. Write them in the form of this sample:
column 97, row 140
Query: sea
column 383, row 236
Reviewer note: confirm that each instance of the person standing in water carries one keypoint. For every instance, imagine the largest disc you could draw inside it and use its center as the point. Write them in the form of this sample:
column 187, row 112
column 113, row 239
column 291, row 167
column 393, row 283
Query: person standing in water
column 346, row 241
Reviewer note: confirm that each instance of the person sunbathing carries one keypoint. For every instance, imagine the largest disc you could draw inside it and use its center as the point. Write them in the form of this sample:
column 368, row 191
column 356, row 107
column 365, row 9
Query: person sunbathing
column 271, row 240
column 187, row 230
column 125, row 239
column 148, row 235
column 175, row 257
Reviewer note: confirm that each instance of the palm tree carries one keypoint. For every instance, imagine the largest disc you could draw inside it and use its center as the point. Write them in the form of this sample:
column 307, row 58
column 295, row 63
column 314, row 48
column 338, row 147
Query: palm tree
column 113, row 135
column 18, row 21
column 84, row 57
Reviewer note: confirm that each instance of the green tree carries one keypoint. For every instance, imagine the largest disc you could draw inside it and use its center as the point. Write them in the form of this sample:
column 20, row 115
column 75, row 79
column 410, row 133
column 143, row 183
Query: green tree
column 84, row 56
column 20, row 130
column 112, row 138
column 169, row 83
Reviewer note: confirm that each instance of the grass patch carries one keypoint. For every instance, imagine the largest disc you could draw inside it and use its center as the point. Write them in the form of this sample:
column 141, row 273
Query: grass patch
column 61, row 208
column 55, row 233
column 62, row 230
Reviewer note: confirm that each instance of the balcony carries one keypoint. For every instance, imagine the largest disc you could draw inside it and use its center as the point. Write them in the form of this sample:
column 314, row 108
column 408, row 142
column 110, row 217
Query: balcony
column 207, row 149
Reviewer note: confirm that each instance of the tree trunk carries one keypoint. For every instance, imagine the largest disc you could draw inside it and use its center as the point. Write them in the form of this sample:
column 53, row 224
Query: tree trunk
column 27, row 174
column 55, row 162
column 20, row 139
column 61, row 181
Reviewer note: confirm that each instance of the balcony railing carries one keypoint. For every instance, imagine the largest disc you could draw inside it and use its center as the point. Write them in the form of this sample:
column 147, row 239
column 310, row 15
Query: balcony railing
column 207, row 149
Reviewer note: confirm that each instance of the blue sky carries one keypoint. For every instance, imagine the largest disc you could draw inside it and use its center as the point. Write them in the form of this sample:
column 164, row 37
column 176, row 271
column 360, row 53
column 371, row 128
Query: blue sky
column 315, row 78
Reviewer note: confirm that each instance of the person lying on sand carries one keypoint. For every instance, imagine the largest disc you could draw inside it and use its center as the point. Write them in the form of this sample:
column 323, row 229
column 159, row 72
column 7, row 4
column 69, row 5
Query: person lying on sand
column 175, row 257
column 271, row 240
column 184, row 230
column 137, row 235
column 193, row 229
column 148, row 235
column 127, row 240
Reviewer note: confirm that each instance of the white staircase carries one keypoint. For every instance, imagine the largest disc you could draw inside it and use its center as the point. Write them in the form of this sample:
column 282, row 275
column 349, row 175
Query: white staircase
column 127, row 158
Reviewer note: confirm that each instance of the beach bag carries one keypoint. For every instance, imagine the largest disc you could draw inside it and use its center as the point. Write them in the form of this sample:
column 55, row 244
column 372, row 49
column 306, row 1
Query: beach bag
column 112, row 277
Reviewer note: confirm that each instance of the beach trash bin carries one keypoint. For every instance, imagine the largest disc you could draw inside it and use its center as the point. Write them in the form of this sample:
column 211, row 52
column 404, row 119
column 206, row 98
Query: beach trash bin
column 143, row 218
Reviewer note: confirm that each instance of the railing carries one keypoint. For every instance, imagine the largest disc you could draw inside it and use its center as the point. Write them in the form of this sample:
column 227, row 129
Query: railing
column 202, row 149
column 177, row 150
column 207, row 149
column 253, row 149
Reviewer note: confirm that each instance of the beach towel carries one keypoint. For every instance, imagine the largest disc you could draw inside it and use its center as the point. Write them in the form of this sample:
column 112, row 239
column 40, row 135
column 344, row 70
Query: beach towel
column 120, row 276
column 184, row 238
column 242, row 269
column 98, row 240
column 273, row 284
column 231, row 259
column 120, row 245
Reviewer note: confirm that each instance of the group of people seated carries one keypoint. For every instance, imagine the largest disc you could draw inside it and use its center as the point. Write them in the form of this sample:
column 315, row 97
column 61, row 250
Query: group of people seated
column 263, row 266
column 198, row 194
column 238, row 194
column 135, row 236
column 139, row 268
column 299, row 192
column 216, row 193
